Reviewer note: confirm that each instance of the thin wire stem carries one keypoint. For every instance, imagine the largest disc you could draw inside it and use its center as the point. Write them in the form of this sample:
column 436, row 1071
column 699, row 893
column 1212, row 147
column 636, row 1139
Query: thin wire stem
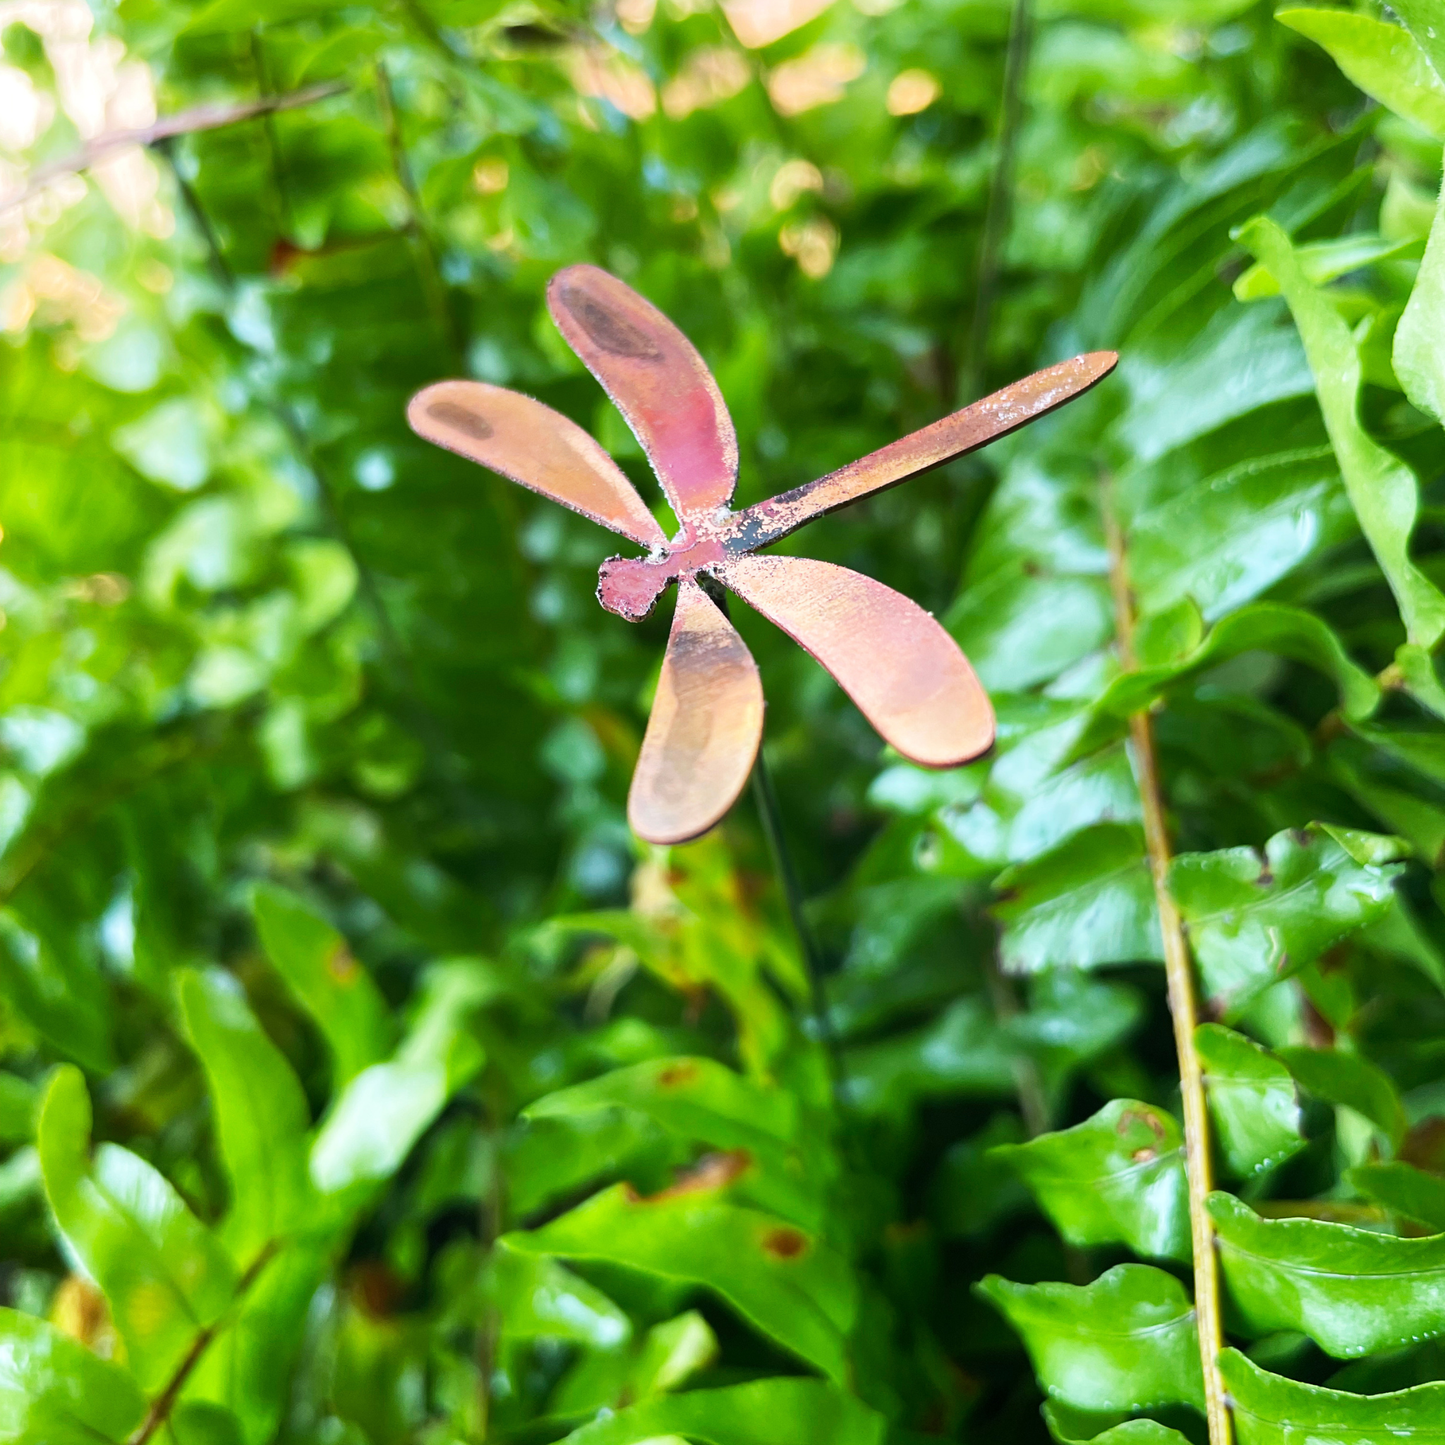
column 1179, row 977
column 1028, row 1083
column 998, row 215
column 199, row 218
column 766, row 798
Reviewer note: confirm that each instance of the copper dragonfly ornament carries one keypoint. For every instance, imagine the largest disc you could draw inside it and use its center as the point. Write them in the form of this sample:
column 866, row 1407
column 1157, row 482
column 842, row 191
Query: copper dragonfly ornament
column 906, row 674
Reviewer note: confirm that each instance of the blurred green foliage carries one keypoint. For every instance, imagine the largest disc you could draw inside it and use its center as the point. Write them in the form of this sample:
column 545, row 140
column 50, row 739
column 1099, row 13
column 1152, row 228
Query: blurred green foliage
column 363, row 1081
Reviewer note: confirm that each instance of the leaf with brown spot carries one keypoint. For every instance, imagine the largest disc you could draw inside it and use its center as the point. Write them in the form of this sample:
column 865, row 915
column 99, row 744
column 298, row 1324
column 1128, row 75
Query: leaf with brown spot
column 326, row 979
column 1116, row 1178
column 790, row 1287
column 1253, row 920
column 700, row 1101
column 165, row 1276
column 785, row 1243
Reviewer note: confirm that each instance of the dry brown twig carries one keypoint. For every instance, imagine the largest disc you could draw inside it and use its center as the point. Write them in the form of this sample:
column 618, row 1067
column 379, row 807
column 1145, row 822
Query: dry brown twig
column 185, row 122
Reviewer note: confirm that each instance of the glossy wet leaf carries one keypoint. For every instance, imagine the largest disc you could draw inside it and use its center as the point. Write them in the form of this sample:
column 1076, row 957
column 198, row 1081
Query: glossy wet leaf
column 1404, row 1190
column 1239, row 362
column 1224, row 542
column 1324, row 261
column 701, row 1101
column 696, row 1097
column 382, row 1112
column 1350, row 1290
column 551, row 1159
column 787, row 1284
column 1382, row 59
column 1344, row 1078
column 664, row 1359
column 1125, row 1342
column 1116, row 1178
column 1073, row 1018
column 1253, row 919
column 1252, row 1102
column 165, row 1276
column 1265, row 626
column 1065, row 618
column 54, row 1391
column 261, row 1116
column 1382, row 488
column 968, row 1050
column 1270, row 1410
column 539, row 1297
column 1087, row 903
column 327, row 980
column 762, row 1412
column 1073, row 1427
column 1416, row 355
column 1421, row 20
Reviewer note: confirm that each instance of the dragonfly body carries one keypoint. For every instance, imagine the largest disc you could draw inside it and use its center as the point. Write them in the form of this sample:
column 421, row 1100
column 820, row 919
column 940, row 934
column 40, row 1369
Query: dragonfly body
column 898, row 664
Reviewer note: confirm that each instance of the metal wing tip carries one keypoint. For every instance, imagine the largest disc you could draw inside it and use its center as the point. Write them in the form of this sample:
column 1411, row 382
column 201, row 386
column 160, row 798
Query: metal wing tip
column 417, row 405
column 979, row 737
column 578, row 268
column 582, row 274
column 661, row 837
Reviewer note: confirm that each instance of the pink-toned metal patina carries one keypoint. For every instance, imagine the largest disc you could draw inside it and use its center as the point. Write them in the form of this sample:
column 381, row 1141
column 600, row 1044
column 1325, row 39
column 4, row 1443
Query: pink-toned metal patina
column 905, row 673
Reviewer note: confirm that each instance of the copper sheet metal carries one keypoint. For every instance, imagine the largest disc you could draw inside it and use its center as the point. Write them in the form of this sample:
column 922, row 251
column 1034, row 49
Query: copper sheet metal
column 892, row 658
column 536, row 446
column 706, row 724
column 904, row 671
column 658, row 382
column 931, row 446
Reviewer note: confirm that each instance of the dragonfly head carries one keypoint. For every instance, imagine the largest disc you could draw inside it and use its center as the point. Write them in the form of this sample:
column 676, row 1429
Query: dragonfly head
column 630, row 586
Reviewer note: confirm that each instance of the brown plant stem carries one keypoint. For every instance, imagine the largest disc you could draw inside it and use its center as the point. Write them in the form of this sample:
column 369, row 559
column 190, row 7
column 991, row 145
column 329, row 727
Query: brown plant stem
column 1179, row 977
column 165, row 1402
column 442, row 758
column 185, row 122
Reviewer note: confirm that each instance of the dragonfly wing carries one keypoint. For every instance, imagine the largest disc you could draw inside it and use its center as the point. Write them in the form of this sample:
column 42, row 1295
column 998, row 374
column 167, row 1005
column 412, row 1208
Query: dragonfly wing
column 658, row 382
column 530, row 443
column 965, row 431
column 907, row 675
column 706, row 724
